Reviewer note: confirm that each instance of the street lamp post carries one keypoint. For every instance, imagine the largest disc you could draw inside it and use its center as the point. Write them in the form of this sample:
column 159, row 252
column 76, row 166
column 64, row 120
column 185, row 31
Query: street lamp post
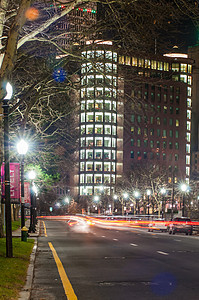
column 22, row 148
column 32, row 176
column 137, row 194
column 9, row 249
column 148, row 196
column 163, row 192
column 125, row 197
column 184, row 189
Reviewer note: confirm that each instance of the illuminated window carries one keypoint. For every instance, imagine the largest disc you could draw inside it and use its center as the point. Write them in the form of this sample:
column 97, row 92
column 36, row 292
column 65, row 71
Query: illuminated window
column 140, row 62
column 89, row 117
column 82, row 117
column 175, row 67
column 176, row 146
column 107, row 167
column 134, row 61
column 98, row 178
column 188, row 137
column 153, row 64
column 176, row 157
column 158, row 120
column 98, row 142
column 82, row 154
column 189, row 80
column 98, row 154
column 82, row 142
column 107, row 142
column 89, row 178
column 183, row 78
column 183, row 68
column 82, row 129
column 89, row 166
column 82, row 164
column 139, row 130
column 177, row 123
column 165, row 109
column 151, row 144
column 98, row 167
column 89, row 154
column 107, row 129
column 189, row 91
column 89, row 142
column 160, row 65
column 106, row 179
column 99, row 117
column 138, row 143
column 188, row 148
column 177, row 134
column 89, row 129
column 166, row 66
column 82, row 178
column 128, row 60
column 188, row 114
column 189, row 68
column 188, row 160
column 188, row 102
column 189, row 126
column 187, row 171
column 113, row 142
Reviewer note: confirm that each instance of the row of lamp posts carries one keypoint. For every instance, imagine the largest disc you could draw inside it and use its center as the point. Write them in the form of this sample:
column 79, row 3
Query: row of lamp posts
column 22, row 148
column 184, row 188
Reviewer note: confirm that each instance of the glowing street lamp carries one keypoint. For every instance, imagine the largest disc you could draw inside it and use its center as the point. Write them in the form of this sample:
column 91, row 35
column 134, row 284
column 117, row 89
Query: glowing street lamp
column 163, row 193
column 184, row 188
column 137, row 195
column 22, row 148
column 148, row 196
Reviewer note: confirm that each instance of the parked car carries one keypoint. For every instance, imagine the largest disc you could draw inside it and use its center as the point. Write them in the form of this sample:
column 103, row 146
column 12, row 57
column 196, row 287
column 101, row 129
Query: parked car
column 180, row 225
column 158, row 225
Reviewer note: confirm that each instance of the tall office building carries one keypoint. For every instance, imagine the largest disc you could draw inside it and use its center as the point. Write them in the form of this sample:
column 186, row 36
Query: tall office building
column 133, row 110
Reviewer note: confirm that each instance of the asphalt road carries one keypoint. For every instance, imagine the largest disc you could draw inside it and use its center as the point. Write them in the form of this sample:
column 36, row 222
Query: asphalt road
column 112, row 264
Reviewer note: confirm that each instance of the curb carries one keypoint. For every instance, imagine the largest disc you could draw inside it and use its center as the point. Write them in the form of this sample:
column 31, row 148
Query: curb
column 26, row 290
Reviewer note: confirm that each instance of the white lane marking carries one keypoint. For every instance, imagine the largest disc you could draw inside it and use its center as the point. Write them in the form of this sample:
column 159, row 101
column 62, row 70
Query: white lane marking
column 115, row 239
column 177, row 240
column 163, row 253
column 135, row 245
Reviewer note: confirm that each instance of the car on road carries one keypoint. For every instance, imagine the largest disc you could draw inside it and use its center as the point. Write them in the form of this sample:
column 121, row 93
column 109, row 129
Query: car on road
column 79, row 225
column 157, row 225
column 180, row 225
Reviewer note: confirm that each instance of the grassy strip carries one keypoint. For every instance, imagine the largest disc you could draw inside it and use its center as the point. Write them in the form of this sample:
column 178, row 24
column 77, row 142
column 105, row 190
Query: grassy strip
column 13, row 271
column 16, row 224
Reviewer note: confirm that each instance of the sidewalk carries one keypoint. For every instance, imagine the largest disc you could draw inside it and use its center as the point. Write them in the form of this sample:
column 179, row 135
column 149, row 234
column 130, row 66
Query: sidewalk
column 25, row 292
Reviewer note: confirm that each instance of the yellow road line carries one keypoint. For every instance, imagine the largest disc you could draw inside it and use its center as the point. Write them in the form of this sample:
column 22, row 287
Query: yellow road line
column 65, row 281
column 44, row 229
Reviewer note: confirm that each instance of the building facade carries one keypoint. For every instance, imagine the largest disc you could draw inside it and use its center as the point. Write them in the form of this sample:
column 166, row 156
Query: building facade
column 133, row 110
